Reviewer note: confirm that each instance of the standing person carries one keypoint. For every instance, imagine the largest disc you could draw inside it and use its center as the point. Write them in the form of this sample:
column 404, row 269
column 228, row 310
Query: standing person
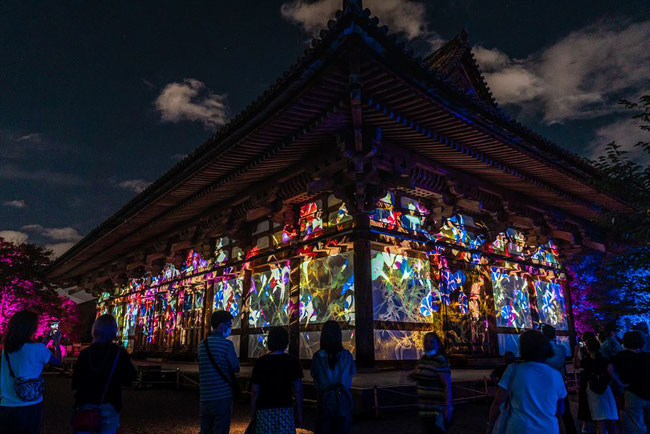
column 497, row 373
column 217, row 364
column 602, row 404
column 558, row 362
column 584, row 414
column 631, row 369
column 535, row 391
column 97, row 379
column 609, row 344
column 609, row 347
column 433, row 378
column 21, row 384
column 332, row 369
column 276, row 377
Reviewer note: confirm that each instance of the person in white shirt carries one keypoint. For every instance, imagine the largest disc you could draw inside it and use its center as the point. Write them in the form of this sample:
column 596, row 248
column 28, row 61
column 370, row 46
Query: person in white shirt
column 535, row 391
column 558, row 361
column 21, row 397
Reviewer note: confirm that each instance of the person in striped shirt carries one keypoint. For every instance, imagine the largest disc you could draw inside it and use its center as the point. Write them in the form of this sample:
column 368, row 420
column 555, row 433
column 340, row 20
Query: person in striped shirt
column 433, row 379
column 215, row 392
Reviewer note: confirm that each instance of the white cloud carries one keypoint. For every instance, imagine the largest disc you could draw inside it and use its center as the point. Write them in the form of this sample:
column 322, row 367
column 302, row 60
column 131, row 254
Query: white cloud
column 59, row 234
column 581, row 76
column 15, row 203
column 17, row 173
column 191, row 100
column 59, row 248
column 626, row 133
column 401, row 16
column 14, row 236
column 134, row 185
column 178, row 157
column 31, row 137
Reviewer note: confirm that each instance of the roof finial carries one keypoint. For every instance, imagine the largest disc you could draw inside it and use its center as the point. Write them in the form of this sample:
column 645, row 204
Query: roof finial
column 353, row 4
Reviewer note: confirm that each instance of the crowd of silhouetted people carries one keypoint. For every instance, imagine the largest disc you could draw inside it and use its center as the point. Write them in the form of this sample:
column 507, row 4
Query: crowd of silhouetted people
column 531, row 393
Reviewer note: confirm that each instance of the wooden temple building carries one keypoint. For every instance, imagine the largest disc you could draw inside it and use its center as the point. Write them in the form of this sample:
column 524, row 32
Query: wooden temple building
column 387, row 192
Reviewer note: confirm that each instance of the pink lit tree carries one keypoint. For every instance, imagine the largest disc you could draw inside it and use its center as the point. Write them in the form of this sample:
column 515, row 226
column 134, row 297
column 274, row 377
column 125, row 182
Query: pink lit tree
column 22, row 286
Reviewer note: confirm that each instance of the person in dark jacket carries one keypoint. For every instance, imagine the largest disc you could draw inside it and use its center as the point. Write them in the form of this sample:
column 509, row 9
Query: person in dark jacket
column 92, row 378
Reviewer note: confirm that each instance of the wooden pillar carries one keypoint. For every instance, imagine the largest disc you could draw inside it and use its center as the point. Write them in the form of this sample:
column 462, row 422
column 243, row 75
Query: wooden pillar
column 365, row 342
column 208, row 301
column 294, row 307
column 568, row 306
column 243, row 341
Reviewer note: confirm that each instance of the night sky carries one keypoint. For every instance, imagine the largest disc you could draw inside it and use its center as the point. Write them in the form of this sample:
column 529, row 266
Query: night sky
column 100, row 98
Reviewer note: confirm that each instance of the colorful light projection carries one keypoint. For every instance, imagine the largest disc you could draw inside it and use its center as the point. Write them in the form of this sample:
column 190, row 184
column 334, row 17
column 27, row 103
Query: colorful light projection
column 454, row 230
column 511, row 300
column 339, row 217
column 546, row 254
column 269, row 297
column 227, row 296
column 257, row 345
column 398, row 344
column 550, row 304
column 414, row 214
column 194, row 263
column 311, row 220
column 310, row 343
column 221, row 255
column 327, row 289
column 402, row 290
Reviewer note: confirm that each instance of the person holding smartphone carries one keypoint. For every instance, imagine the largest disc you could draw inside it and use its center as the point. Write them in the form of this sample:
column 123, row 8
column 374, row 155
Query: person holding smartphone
column 21, row 384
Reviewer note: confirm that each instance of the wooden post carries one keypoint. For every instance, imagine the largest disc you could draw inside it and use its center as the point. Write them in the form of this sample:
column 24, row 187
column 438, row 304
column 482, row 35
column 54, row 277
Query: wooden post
column 365, row 342
column 243, row 341
column 294, row 307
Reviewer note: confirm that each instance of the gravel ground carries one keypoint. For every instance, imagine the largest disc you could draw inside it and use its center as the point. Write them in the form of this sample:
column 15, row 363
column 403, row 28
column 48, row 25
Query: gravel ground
column 169, row 411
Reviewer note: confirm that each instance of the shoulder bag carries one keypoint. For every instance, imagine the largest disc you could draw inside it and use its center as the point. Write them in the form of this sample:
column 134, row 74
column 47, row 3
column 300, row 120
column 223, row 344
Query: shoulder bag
column 502, row 421
column 26, row 389
column 89, row 419
column 230, row 381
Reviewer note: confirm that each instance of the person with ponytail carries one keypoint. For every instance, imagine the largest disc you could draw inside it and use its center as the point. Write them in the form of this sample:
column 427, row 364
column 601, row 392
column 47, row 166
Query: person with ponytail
column 332, row 369
column 21, row 384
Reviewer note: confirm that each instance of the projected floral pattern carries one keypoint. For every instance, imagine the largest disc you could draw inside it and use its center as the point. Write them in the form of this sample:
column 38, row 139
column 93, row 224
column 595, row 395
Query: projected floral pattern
column 550, row 304
column 511, row 300
column 401, row 288
column 269, row 297
column 327, row 289
column 227, row 296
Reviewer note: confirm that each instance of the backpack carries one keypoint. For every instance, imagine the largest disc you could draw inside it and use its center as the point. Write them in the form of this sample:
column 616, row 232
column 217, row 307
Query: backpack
column 335, row 399
column 599, row 380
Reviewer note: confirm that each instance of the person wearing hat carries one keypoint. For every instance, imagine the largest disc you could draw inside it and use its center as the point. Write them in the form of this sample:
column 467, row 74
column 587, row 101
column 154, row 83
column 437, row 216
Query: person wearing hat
column 217, row 364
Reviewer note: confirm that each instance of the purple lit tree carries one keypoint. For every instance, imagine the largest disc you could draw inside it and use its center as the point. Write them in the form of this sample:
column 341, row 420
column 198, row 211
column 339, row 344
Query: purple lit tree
column 22, row 286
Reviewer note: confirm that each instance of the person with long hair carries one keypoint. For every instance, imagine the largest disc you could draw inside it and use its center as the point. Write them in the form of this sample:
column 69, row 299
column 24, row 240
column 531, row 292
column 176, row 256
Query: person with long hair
column 535, row 391
column 332, row 369
column 277, row 379
column 99, row 374
column 433, row 378
column 602, row 404
column 21, row 384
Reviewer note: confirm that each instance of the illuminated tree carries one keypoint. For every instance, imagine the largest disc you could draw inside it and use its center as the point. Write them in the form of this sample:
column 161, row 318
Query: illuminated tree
column 618, row 283
column 22, row 286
